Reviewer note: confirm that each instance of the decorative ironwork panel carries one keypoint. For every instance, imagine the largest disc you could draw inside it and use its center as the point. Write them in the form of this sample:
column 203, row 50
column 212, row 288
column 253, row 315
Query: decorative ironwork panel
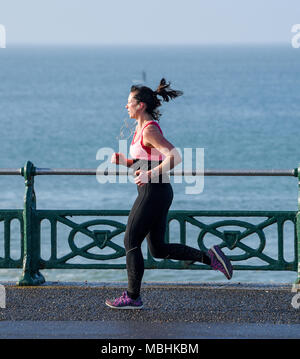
column 228, row 229
column 6, row 218
column 100, row 238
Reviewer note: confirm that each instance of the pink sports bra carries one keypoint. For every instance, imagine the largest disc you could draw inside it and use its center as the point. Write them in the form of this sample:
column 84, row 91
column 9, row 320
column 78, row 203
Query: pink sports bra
column 141, row 152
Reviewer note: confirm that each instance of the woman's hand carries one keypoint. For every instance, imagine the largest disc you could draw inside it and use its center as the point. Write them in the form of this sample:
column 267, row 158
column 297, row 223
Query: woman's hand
column 142, row 177
column 119, row 159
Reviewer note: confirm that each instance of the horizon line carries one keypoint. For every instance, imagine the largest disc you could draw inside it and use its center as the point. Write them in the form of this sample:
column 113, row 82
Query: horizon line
column 23, row 44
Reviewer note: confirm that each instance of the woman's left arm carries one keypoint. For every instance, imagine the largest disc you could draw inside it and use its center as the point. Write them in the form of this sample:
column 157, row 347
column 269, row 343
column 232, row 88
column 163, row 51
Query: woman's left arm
column 152, row 137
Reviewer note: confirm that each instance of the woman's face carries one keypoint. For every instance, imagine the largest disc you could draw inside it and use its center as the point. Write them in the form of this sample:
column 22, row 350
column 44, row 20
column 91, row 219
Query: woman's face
column 132, row 106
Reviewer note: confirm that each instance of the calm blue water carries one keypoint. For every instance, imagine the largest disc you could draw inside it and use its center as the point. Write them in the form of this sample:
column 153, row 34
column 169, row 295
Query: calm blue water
column 59, row 106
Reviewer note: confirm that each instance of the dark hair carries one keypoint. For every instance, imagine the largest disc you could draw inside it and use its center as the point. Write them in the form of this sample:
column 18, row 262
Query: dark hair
column 149, row 97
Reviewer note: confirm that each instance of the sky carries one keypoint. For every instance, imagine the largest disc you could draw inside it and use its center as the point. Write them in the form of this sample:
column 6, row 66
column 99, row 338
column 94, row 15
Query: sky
column 130, row 22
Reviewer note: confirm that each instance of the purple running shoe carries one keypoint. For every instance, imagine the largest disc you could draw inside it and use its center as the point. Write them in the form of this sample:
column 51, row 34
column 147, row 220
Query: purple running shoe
column 125, row 302
column 220, row 262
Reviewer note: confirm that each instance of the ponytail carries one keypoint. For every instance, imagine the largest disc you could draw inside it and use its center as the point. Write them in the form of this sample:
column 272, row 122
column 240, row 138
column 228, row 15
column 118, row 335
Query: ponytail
column 166, row 92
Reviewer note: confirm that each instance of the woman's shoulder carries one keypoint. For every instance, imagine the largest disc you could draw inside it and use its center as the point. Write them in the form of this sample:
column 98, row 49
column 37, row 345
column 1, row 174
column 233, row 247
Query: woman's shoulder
column 152, row 124
column 152, row 127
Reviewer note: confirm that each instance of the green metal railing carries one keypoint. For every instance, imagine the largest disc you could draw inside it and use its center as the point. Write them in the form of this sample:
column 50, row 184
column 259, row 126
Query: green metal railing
column 103, row 246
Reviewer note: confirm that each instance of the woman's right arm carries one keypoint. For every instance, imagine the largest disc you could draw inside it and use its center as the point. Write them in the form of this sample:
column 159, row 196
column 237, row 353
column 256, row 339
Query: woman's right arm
column 120, row 159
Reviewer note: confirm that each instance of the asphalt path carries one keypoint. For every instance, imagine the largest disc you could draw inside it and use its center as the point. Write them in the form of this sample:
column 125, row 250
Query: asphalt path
column 171, row 311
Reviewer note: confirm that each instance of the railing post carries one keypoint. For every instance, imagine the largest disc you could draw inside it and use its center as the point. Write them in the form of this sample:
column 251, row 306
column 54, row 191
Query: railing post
column 298, row 229
column 31, row 255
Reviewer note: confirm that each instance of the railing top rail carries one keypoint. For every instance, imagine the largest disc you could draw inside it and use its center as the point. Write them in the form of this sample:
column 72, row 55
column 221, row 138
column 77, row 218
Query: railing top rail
column 206, row 172
column 10, row 171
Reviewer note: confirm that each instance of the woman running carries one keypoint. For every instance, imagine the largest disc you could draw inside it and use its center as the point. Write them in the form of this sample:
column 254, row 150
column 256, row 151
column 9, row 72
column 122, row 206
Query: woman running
column 153, row 156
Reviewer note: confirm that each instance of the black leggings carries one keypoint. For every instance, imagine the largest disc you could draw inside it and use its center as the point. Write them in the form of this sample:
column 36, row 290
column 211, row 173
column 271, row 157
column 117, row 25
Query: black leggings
column 148, row 218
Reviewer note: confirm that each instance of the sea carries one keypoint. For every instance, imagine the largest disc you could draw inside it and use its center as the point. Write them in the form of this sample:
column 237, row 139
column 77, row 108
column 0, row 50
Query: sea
column 62, row 106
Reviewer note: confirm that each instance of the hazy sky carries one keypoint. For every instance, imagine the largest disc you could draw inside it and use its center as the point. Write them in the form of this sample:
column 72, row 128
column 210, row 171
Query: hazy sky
column 148, row 22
